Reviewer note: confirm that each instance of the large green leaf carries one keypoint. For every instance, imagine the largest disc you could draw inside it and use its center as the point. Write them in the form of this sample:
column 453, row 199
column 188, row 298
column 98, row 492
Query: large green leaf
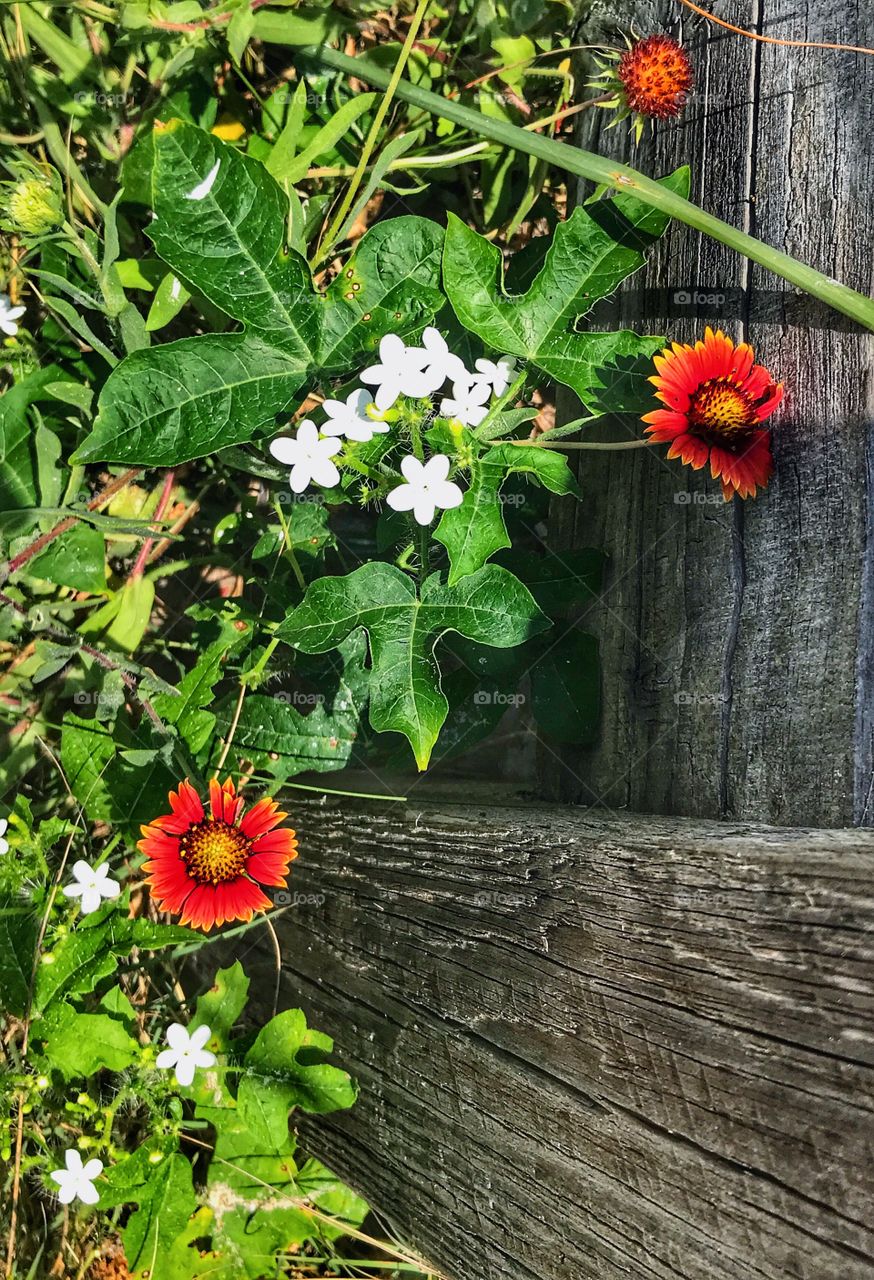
column 158, row 1180
column 221, row 1005
column 229, row 243
column 474, row 531
column 19, row 487
column 169, row 404
column 79, row 1044
column 76, row 964
column 286, row 733
column 591, row 253
column 19, row 927
column 221, row 226
column 390, row 285
column 87, row 747
column 285, row 1068
column 490, row 606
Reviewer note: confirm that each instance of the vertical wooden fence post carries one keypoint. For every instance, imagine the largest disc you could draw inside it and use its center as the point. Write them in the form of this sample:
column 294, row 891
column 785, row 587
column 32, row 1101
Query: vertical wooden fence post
column 738, row 640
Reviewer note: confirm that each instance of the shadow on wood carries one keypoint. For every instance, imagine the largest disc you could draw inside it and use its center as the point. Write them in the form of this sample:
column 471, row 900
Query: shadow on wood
column 594, row 1047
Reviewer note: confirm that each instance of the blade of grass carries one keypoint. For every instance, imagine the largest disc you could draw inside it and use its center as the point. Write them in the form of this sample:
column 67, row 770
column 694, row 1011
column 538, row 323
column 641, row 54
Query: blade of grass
column 392, row 81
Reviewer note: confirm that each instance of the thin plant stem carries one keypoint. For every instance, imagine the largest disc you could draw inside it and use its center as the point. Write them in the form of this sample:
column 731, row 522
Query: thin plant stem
column 392, row 82
column 611, row 174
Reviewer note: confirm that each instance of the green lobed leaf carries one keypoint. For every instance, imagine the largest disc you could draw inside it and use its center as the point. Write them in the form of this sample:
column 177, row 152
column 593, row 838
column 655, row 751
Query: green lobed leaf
column 158, row 1180
column 475, row 530
column 75, row 559
column 221, row 1005
column 591, row 254
column 80, row 1044
column 75, row 965
column 391, row 284
column 284, row 1069
column 287, row 733
column 490, row 606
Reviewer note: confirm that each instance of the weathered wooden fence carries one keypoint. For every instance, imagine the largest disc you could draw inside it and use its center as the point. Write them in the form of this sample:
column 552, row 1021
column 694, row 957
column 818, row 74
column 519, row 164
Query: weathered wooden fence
column 594, row 1047
column 598, row 1045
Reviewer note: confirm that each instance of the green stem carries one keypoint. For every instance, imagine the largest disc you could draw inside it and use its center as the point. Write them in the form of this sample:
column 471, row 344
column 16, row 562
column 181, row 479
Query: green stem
column 586, row 164
column 391, row 83
column 421, row 532
column 601, row 446
column 482, row 431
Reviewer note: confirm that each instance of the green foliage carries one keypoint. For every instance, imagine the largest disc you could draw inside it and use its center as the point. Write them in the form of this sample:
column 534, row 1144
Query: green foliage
column 403, row 627
column 171, row 606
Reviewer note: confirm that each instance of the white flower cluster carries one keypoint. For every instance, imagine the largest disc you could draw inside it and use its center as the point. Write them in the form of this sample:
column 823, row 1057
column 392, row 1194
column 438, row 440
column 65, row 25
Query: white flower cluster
column 402, row 371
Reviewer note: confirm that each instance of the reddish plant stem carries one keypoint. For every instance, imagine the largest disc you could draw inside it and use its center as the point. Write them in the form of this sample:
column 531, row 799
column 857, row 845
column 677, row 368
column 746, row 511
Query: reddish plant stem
column 40, row 543
column 163, row 502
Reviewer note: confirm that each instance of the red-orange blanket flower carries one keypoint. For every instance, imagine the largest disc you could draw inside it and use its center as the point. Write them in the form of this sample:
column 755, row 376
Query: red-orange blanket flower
column 716, row 399
column 210, row 866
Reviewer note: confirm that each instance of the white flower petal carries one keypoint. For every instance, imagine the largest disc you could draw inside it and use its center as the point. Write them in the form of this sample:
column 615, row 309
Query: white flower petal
column 286, row 451
column 199, row 1036
column 436, row 469
column 386, row 395
column 447, row 495
column 87, row 1193
column 308, row 435
column 73, row 1161
column 73, row 890
column 402, row 498
column 203, row 188
column 177, row 1036
column 166, row 1059
column 67, row 1193
column 83, row 872
column 185, row 1072
column 412, row 469
column 301, row 474
column 423, row 508
column 392, row 349
column 324, row 472
column 90, row 901
column 92, row 1169
column 3, row 825
column 204, row 1058
column 4, row 846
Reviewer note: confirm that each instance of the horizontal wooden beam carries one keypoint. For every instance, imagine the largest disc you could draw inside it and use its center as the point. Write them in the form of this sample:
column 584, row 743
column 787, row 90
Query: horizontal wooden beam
column 592, row 1046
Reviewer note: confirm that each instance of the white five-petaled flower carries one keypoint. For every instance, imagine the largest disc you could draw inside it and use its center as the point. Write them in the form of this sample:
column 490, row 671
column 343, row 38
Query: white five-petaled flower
column 468, row 402
column 186, row 1052
column 308, row 456
column 399, row 373
column 349, row 418
column 4, row 844
column 202, row 190
column 427, row 489
column 93, row 884
column 439, row 365
column 9, row 315
column 497, row 373
column 76, row 1181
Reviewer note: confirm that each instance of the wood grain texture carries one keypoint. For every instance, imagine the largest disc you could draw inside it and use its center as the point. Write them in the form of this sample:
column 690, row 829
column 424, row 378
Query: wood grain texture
column 736, row 640
column 593, row 1048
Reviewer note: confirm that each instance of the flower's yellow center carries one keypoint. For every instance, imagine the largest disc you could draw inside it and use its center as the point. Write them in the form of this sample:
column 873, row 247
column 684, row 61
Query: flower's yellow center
column 720, row 410
column 214, row 851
